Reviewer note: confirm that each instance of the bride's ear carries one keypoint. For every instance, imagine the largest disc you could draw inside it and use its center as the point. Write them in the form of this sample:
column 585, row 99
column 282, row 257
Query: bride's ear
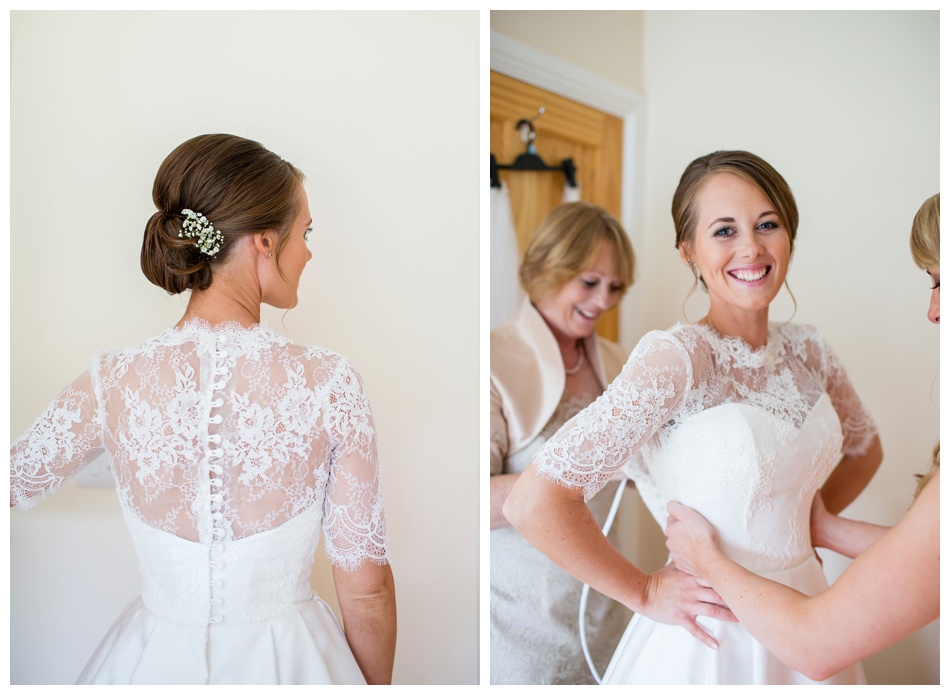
column 265, row 243
column 684, row 253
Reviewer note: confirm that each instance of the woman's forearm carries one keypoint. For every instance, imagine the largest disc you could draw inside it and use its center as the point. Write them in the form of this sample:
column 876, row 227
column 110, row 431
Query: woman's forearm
column 500, row 489
column 556, row 520
column 890, row 590
column 850, row 477
column 369, row 621
column 773, row 613
column 560, row 525
column 847, row 536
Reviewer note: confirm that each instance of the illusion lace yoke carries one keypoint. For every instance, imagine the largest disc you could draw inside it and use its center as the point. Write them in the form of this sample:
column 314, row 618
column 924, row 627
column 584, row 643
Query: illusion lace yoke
column 746, row 436
column 217, row 434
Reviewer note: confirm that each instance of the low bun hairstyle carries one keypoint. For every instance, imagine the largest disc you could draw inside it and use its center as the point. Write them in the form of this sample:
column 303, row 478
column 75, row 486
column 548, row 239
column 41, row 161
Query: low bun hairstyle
column 238, row 184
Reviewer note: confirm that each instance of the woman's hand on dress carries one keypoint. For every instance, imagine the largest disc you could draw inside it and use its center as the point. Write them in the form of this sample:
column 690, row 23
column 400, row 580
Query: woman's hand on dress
column 689, row 538
column 677, row 598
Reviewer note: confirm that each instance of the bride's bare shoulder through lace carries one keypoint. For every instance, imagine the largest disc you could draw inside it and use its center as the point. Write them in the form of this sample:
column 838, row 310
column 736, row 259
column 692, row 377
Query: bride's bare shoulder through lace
column 233, row 422
column 673, row 375
column 654, row 385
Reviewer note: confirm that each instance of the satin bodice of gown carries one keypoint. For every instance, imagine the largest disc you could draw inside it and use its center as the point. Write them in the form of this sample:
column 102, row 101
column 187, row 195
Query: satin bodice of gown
column 247, row 581
column 752, row 477
column 744, row 436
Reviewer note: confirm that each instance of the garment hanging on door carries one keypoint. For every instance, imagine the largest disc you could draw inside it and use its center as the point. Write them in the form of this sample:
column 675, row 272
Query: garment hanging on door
column 506, row 292
column 572, row 194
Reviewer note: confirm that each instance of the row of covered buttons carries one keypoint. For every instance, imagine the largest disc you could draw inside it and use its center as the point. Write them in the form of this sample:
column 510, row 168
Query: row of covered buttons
column 215, row 470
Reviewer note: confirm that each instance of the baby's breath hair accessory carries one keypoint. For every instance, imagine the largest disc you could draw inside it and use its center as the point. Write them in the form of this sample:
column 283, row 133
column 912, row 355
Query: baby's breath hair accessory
column 197, row 226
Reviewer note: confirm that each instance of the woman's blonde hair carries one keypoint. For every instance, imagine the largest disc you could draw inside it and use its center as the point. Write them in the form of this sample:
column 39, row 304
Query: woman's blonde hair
column 922, row 480
column 925, row 234
column 567, row 243
column 925, row 248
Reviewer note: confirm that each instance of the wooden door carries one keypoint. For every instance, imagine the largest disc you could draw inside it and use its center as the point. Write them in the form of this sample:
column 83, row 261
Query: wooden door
column 567, row 128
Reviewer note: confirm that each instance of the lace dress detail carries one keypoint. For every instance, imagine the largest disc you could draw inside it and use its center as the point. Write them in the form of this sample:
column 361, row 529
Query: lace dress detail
column 745, row 436
column 231, row 448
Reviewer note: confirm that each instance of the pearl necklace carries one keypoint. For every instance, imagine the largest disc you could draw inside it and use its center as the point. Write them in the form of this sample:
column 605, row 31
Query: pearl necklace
column 580, row 361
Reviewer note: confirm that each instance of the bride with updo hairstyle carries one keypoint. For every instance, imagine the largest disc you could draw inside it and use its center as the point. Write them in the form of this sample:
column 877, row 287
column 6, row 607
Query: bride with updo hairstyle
column 232, row 449
column 238, row 183
column 739, row 416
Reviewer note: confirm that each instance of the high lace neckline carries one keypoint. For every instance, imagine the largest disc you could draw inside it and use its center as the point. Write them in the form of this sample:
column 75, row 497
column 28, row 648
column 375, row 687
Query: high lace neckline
column 205, row 324
column 202, row 331
column 735, row 351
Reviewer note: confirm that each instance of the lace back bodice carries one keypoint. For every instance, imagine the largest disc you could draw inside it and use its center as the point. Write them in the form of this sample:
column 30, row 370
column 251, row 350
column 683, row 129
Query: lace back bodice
column 218, row 434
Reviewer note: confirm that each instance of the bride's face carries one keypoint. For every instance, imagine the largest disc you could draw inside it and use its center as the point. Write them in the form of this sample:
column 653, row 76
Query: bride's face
column 740, row 245
column 280, row 290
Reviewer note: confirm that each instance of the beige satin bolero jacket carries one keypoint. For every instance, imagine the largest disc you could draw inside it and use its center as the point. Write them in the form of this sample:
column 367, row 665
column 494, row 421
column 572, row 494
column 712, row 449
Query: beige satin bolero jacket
column 527, row 379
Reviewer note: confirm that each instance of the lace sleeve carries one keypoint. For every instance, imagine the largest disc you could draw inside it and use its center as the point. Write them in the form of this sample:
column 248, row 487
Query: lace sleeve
column 597, row 442
column 66, row 437
column 499, row 433
column 857, row 427
column 354, row 522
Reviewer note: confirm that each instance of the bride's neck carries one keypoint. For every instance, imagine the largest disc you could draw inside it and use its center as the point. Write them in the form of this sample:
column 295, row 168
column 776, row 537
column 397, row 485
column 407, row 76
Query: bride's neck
column 751, row 326
column 224, row 302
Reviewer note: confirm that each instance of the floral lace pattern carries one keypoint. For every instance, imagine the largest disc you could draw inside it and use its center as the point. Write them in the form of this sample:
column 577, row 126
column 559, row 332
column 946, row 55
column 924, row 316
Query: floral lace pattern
column 218, row 433
column 738, row 432
column 673, row 375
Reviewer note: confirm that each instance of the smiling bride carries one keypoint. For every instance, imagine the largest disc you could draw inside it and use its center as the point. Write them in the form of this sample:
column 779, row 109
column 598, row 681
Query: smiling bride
column 739, row 418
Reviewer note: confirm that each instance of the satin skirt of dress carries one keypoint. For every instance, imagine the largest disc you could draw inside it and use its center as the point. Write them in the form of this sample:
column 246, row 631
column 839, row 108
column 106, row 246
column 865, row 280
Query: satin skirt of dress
column 305, row 646
column 657, row 653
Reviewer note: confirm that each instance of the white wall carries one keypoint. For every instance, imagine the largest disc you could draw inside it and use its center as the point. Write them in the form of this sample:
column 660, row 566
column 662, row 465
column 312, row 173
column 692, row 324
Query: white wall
column 846, row 106
column 380, row 111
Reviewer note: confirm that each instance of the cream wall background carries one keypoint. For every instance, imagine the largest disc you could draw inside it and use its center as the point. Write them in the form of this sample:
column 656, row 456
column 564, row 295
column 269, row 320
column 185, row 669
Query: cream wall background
column 366, row 104
column 846, row 106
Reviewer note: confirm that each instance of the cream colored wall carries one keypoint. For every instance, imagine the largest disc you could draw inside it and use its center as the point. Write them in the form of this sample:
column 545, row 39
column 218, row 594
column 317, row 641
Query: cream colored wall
column 606, row 42
column 845, row 106
column 358, row 103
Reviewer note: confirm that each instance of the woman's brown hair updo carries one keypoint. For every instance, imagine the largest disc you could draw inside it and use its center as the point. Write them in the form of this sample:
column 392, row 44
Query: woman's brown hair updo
column 238, row 184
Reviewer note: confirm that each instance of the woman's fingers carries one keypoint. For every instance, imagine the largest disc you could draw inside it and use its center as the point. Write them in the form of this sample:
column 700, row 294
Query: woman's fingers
column 693, row 628
column 708, row 595
column 675, row 508
column 719, row 612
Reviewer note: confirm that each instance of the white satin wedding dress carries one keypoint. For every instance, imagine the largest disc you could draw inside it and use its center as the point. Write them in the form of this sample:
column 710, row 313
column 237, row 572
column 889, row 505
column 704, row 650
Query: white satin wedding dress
column 232, row 448
column 744, row 436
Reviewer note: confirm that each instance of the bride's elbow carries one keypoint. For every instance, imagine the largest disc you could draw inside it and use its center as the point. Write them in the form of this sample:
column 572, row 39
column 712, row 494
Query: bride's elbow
column 819, row 672
column 816, row 663
column 513, row 509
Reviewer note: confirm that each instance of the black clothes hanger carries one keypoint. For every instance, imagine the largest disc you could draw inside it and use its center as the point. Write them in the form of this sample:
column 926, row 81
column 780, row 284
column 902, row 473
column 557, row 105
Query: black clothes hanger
column 529, row 159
